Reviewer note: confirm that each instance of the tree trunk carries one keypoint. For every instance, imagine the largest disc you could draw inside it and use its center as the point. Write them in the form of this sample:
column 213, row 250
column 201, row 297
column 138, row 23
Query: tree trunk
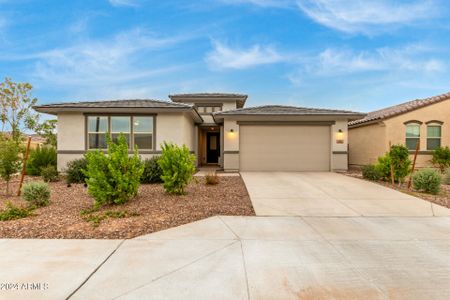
column 7, row 188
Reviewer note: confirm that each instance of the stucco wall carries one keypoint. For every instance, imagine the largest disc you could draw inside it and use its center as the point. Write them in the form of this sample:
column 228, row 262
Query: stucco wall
column 369, row 142
column 71, row 128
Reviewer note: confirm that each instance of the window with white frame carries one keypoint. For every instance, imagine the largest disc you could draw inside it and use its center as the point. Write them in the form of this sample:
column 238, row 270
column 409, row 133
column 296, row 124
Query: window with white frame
column 434, row 132
column 207, row 109
column 412, row 135
column 138, row 131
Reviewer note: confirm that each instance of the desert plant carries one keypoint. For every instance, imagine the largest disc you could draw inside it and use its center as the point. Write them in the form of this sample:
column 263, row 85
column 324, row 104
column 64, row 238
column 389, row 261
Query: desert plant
column 49, row 174
column 39, row 158
column 74, row 171
column 36, row 193
column 211, row 179
column 383, row 166
column 113, row 178
column 12, row 212
column 370, row 172
column 178, row 167
column 427, row 180
column 441, row 158
column 152, row 171
column 401, row 164
column 446, row 177
column 10, row 161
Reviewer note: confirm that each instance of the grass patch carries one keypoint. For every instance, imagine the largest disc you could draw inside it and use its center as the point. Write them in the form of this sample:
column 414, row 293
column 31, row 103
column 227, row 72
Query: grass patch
column 12, row 212
column 96, row 219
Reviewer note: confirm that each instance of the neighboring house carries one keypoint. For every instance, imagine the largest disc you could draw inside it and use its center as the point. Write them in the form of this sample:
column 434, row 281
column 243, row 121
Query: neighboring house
column 426, row 121
column 215, row 126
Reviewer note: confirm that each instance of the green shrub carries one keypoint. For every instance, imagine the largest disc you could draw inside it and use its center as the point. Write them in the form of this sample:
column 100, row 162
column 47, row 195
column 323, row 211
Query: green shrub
column 39, row 158
column 441, row 158
column 178, row 167
column 49, row 174
column 427, row 180
column 211, row 179
column 10, row 161
column 370, row 172
column 74, row 171
column 36, row 193
column 14, row 212
column 383, row 167
column 400, row 161
column 152, row 171
column 113, row 178
column 446, row 178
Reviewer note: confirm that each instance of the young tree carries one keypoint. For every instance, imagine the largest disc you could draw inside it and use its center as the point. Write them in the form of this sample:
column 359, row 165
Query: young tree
column 16, row 111
column 10, row 161
column 47, row 130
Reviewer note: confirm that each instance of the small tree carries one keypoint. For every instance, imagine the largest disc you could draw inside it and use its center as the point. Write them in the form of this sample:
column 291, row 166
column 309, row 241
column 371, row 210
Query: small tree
column 10, row 161
column 441, row 158
column 113, row 178
column 47, row 130
column 16, row 104
column 178, row 167
column 401, row 164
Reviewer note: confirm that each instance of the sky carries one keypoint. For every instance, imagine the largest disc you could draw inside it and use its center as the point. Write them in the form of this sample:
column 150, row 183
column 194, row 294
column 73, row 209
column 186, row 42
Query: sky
column 348, row 54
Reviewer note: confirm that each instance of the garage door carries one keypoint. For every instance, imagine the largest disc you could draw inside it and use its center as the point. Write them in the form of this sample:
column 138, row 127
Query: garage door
column 284, row 148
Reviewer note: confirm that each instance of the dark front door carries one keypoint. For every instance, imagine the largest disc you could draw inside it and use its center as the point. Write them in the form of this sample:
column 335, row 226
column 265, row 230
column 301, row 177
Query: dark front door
column 212, row 147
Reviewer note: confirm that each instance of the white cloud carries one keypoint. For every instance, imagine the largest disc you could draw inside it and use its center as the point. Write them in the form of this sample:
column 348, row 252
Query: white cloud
column 263, row 3
column 354, row 16
column 131, row 3
column 224, row 57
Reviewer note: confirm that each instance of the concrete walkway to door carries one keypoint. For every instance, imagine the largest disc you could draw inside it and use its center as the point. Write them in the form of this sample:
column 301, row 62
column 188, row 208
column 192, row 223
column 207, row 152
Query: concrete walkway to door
column 330, row 194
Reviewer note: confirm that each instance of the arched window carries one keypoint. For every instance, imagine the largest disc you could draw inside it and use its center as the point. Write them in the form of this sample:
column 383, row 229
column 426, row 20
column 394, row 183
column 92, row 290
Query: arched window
column 412, row 134
column 434, row 133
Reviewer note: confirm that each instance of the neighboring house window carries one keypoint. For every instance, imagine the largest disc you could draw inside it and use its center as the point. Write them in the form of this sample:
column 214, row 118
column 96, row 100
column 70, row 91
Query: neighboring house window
column 143, row 132
column 412, row 135
column 140, row 134
column 433, row 136
column 208, row 109
column 97, row 128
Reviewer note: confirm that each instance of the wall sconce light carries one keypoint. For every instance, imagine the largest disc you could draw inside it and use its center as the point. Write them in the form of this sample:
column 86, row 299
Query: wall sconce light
column 340, row 137
column 231, row 130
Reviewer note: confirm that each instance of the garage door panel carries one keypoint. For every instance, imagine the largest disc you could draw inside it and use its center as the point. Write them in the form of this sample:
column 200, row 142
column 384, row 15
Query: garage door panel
column 284, row 148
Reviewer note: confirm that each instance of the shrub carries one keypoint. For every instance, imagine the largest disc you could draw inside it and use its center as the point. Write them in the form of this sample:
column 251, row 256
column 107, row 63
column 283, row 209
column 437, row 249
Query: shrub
column 36, row 193
column 10, row 161
column 383, row 167
column 400, row 161
column 113, row 178
column 441, row 158
column 446, row 179
column 152, row 171
column 39, row 158
column 211, row 179
column 427, row 180
column 49, row 174
column 74, row 171
column 14, row 212
column 178, row 167
column 370, row 172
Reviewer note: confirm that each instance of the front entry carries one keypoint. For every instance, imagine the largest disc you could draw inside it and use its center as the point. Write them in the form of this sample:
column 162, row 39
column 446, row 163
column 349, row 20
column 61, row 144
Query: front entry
column 212, row 147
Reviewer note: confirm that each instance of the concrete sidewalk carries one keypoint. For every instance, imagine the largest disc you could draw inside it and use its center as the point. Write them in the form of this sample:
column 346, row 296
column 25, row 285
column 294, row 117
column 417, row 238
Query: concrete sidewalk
column 244, row 258
column 330, row 194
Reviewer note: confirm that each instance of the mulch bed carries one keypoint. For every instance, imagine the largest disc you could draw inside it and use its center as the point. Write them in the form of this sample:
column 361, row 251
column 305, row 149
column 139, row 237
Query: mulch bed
column 443, row 198
column 152, row 210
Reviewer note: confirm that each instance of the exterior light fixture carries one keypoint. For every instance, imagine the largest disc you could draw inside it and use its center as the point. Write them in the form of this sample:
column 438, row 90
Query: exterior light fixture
column 340, row 137
column 231, row 130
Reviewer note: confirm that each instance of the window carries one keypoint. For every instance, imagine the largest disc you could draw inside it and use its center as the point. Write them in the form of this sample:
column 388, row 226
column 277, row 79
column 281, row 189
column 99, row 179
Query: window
column 433, row 136
column 208, row 109
column 97, row 129
column 143, row 132
column 140, row 134
column 412, row 136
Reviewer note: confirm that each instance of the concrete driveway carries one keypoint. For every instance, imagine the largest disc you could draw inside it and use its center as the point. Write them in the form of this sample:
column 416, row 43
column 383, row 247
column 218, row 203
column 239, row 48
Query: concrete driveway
column 330, row 194
column 242, row 258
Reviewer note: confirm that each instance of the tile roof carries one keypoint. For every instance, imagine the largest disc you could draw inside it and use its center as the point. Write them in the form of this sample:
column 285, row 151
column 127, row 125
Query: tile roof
column 209, row 95
column 129, row 103
column 284, row 110
column 399, row 109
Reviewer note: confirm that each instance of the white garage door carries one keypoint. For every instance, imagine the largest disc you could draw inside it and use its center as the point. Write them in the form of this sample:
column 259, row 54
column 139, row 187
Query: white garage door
column 284, row 148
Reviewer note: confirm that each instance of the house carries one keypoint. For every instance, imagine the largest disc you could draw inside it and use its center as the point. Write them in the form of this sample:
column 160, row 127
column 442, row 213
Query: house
column 423, row 121
column 217, row 127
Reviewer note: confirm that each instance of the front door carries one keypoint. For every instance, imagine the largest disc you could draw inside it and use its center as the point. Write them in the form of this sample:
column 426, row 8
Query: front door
column 212, row 147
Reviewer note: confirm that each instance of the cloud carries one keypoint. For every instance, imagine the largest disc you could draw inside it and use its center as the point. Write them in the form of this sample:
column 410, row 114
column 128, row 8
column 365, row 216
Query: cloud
column 131, row 3
column 356, row 16
column 224, row 57
column 262, row 3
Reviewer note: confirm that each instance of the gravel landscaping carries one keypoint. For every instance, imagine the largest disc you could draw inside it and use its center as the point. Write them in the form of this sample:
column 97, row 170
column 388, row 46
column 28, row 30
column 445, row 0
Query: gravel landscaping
column 443, row 198
column 152, row 210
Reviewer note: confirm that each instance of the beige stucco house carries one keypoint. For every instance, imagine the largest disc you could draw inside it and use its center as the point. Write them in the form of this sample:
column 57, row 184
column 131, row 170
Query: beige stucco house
column 423, row 121
column 215, row 126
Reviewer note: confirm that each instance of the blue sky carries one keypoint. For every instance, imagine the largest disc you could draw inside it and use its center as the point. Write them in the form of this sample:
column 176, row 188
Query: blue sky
column 353, row 54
